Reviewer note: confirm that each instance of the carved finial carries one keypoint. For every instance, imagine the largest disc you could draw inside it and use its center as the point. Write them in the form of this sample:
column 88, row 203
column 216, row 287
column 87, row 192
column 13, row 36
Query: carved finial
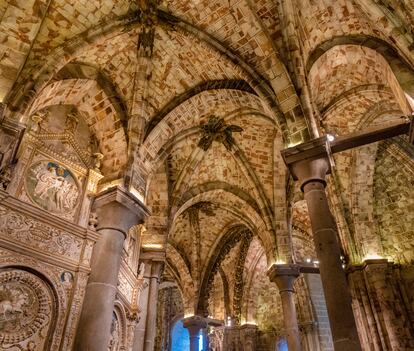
column 216, row 130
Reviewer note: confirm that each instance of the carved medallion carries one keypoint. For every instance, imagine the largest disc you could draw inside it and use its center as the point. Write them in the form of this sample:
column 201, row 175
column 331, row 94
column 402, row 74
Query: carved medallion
column 52, row 187
column 25, row 306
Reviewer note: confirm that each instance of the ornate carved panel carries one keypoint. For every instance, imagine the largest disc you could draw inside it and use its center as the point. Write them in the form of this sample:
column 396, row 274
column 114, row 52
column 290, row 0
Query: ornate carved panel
column 30, row 232
column 27, row 311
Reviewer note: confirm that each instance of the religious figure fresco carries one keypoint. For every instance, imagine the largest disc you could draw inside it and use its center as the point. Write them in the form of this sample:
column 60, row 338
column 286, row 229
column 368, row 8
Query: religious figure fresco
column 52, row 187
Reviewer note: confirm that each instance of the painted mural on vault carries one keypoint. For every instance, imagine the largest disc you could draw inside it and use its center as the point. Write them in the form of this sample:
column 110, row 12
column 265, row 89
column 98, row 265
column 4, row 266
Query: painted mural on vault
column 52, row 187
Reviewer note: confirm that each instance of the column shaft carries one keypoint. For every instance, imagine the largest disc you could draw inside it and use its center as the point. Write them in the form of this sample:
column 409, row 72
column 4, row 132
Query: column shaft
column 290, row 320
column 96, row 317
column 194, row 342
column 139, row 337
column 195, row 324
column 117, row 212
column 338, row 299
column 151, row 324
column 284, row 276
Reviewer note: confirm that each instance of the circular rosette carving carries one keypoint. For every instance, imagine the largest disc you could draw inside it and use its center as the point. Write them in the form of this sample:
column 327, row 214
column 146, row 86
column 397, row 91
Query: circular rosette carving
column 25, row 306
column 52, row 187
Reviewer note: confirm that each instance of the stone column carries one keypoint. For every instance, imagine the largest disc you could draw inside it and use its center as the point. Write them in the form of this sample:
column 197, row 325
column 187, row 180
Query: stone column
column 311, row 175
column 151, row 323
column 139, row 336
column 117, row 211
column 204, row 332
column 284, row 276
column 194, row 325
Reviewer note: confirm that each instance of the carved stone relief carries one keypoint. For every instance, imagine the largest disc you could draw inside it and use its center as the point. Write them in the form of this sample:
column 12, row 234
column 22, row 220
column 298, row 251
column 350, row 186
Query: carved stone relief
column 125, row 287
column 24, row 229
column 26, row 310
column 114, row 342
column 52, row 187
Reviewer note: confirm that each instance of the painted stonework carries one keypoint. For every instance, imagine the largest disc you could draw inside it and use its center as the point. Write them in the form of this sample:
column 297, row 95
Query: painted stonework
column 52, row 187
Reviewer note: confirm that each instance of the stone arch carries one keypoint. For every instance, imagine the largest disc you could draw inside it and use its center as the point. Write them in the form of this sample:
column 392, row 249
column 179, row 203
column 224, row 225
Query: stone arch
column 40, row 77
column 232, row 84
column 118, row 328
column 222, row 247
column 102, row 118
column 80, row 70
column 350, row 84
column 261, row 203
column 403, row 71
column 261, row 300
column 241, row 209
column 181, row 272
column 193, row 112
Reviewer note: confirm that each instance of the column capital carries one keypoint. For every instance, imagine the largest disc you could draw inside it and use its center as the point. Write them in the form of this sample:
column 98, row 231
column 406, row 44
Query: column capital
column 118, row 209
column 371, row 264
column 194, row 323
column 310, row 161
column 284, row 275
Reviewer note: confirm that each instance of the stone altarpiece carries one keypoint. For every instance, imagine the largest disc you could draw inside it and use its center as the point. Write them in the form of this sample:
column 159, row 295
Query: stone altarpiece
column 47, row 234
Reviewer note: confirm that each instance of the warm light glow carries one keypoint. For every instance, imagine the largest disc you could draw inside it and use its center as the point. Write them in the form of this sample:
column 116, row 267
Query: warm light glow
column 372, row 257
column 188, row 315
column 308, row 260
column 250, row 322
column 293, row 144
column 153, row 246
column 316, row 262
column 330, row 137
column 280, row 262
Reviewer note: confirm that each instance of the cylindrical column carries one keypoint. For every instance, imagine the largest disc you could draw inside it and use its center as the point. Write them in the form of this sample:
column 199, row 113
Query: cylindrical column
column 151, row 324
column 96, row 318
column 194, row 338
column 311, row 174
column 284, row 276
column 194, row 325
column 139, row 336
column 117, row 212
column 204, row 332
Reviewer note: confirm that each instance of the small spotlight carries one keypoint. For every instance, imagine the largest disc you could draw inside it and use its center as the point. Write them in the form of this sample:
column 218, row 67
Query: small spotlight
column 308, row 260
column 330, row 137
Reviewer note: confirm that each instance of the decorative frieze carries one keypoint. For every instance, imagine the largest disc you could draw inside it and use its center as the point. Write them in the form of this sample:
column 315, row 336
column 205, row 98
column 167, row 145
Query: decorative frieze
column 33, row 233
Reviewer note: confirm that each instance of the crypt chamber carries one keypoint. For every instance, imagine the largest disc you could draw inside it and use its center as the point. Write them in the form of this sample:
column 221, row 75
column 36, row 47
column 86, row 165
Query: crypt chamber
column 206, row 175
